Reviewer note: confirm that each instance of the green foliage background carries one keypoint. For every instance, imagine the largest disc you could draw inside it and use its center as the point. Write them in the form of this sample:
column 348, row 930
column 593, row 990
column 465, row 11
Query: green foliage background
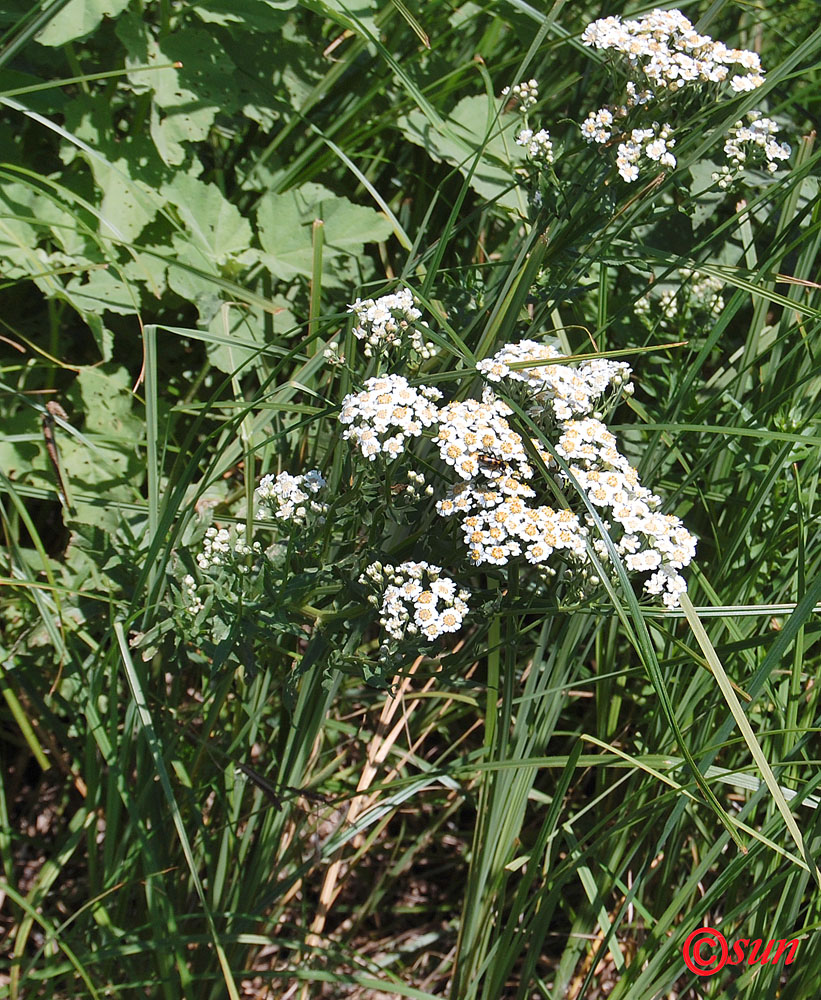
column 536, row 830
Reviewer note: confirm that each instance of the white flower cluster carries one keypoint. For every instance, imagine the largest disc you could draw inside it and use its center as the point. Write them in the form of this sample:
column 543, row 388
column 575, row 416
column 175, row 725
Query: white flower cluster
column 498, row 523
column 191, row 599
column 475, row 438
column 289, row 498
column 650, row 541
column 538, row 145
column 496, row 474
column 750, row 141
column 332, row 355
column 223, row 546
column 598, row 126
column 698, row 296
column 703, row 292
column 386, row 413
column 389, row 321
column 416, row 599
column 568, row 389
column 526, row 93
column 665, row 51
column 653, row 143
column 495, row 534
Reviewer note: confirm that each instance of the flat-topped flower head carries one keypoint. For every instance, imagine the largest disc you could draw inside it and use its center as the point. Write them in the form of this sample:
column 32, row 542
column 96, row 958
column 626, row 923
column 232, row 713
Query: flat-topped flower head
column 290, row 498
column 749, row 143
column 662, row 54
column 567, row 390
column 416, row 599
column 645, row 538
column 475, row 438
column 386, row 414
column 665, row 51
column 390, row 321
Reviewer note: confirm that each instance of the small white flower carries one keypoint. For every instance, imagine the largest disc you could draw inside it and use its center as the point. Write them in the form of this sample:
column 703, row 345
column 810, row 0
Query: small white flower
column 419, row 601
column 284, row 496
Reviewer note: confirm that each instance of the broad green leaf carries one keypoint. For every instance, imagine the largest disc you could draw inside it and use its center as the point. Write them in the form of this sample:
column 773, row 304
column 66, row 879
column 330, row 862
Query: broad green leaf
column 466, row 135
column 21, row 443
column 261, row 15
column 102, row 291
column 18, row 237
column 248, row 325
column 187, row 98
column 104, row 463
column 349, row 13
column 216, row 226
column 127, row 182
column 284, row 235
column 348, row 226
column 78, row 19
column 172, row 130
column 284, row 224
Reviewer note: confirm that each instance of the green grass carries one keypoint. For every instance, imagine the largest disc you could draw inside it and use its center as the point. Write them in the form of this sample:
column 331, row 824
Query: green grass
column 247, row 802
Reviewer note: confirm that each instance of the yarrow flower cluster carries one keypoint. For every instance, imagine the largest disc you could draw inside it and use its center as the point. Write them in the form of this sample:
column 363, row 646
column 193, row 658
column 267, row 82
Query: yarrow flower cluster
column 416, row 599
column 664, row 54
column 388, row 412
column 750, row 143
column 476, row 439
column 567, row 389
column 526, row 93
column 664, row 50
column 226, row 546
column 389, row 321
column 537, row 144
column 495, row 469
column 496, row 520
column 650, row 541
column 289, row 498
column 653, row 143
column 191, row 599
column 698, row 297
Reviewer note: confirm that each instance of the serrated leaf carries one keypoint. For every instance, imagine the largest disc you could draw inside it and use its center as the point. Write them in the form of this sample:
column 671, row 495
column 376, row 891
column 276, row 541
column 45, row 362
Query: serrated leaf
column 215, row 225
column 284, row 226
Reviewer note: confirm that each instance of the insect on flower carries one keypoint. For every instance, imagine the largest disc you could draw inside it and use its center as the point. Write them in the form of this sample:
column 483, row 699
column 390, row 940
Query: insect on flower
column 491, row 462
